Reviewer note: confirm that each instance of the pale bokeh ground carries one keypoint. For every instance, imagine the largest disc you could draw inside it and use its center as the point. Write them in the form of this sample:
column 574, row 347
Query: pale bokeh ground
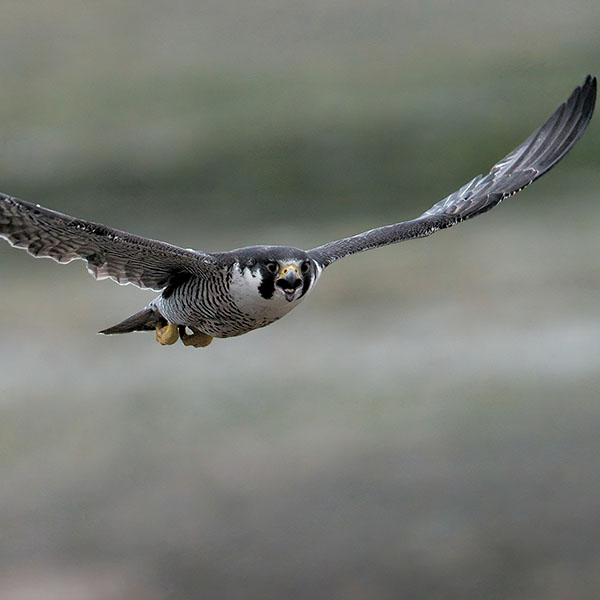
column 426, row 422
column 425, row 426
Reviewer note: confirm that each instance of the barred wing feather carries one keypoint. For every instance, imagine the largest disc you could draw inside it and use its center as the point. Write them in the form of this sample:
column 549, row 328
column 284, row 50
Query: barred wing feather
column 109, row 253
column 545, row 147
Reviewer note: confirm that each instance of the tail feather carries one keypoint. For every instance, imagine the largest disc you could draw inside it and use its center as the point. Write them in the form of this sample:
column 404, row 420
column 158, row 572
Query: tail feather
column 145, row 320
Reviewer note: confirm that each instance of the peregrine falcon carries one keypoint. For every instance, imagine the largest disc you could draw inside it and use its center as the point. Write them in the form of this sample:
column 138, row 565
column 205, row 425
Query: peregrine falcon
column 224, row 294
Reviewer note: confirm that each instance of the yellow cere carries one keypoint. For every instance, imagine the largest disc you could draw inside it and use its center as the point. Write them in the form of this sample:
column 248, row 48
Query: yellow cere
column 289, row 268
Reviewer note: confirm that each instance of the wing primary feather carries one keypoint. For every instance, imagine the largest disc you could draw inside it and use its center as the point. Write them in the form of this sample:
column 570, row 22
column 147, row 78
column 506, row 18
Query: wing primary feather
column 109, row 253
column 543, row 149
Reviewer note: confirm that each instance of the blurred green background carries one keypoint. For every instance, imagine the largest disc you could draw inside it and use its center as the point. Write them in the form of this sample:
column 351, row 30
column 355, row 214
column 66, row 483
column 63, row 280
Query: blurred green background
column 425, row 426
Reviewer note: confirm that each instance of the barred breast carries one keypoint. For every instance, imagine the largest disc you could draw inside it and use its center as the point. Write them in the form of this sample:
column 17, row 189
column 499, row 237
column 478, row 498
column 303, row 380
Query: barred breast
column 222, row 305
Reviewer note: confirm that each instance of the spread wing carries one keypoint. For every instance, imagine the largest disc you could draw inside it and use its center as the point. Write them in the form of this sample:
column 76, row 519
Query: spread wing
column 535, row 156
column 109, row 253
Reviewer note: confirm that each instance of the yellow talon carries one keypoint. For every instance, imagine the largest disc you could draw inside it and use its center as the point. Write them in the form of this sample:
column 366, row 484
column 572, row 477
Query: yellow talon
column 197, row 339
column 167, row 335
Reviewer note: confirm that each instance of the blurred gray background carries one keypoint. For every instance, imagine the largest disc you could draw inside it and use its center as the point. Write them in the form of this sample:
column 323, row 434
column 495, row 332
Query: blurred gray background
column 425, row 426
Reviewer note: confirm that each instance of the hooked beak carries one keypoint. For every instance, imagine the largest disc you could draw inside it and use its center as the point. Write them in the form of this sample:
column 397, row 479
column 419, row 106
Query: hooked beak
column 289, row 281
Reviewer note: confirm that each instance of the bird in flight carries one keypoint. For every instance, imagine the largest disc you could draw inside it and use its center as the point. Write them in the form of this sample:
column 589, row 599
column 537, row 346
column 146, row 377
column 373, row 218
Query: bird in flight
column 224, row 294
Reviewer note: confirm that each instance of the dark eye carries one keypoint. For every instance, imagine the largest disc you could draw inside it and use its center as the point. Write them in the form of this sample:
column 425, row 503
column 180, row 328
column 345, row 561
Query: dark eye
column 272, row 267
column 304, row 268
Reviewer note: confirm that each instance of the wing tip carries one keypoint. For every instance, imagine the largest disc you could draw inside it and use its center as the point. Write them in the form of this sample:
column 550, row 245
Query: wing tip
column 590, row 86
column 584, row 95
column 590, row 80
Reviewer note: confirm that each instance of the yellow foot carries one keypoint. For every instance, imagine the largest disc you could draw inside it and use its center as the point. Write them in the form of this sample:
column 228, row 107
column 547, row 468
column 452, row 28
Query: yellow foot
column 196, row 339
column 167, row 335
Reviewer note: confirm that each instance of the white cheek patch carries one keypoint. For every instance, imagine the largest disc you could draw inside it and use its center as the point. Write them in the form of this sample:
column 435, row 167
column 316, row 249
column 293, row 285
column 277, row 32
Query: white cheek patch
column 245, row 284
column 318, row 271
column 244, row 290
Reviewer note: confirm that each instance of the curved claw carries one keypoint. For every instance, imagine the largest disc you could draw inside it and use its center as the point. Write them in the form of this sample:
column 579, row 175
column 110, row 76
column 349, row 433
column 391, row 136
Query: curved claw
column 167, row 335
column 197, row 339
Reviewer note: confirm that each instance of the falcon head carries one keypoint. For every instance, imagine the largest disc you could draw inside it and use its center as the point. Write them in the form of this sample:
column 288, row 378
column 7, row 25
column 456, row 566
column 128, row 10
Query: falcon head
column 273, row 275
column 290, row 277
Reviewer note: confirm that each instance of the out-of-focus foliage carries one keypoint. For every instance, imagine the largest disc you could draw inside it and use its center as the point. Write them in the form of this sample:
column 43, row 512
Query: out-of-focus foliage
column 424, row 426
